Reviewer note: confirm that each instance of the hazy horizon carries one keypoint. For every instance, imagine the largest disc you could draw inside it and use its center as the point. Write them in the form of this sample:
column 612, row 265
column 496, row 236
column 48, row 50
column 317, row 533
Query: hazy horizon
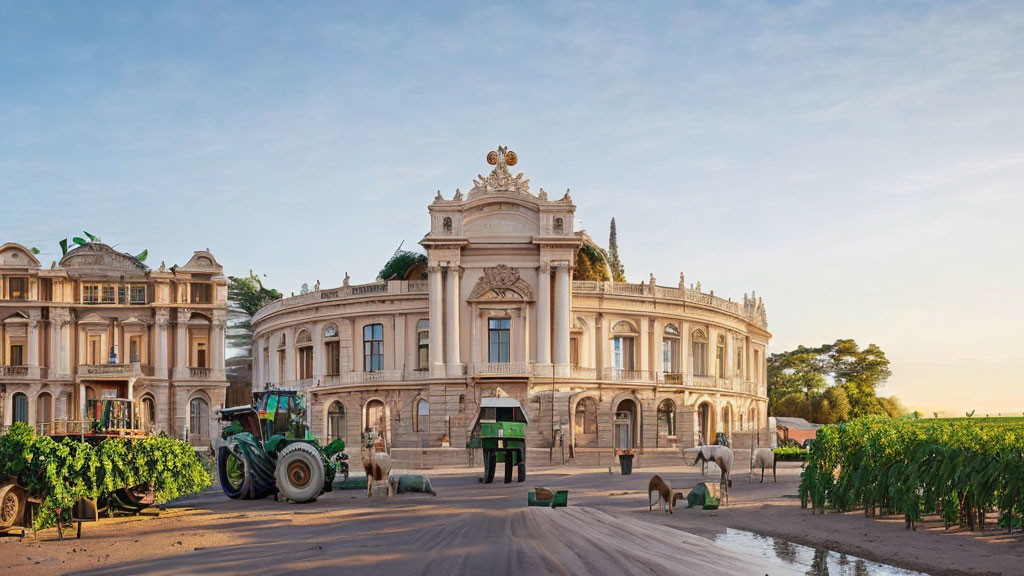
column 859, row 166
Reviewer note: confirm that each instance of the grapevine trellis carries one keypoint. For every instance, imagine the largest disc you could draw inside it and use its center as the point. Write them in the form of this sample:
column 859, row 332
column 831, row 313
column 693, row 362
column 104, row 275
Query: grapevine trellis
column 65, row 471
column 962, row 469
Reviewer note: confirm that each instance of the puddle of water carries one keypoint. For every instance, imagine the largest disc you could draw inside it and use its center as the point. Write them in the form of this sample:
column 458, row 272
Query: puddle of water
column 816, row 561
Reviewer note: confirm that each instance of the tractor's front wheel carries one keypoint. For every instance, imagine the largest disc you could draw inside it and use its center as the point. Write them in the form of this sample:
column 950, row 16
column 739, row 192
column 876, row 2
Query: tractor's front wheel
column 300, row 472
column 230, row 472
column 245, row 470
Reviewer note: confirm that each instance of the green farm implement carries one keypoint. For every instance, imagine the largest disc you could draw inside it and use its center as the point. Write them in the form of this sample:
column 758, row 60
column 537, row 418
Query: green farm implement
column 266, row 448
column 501, row 432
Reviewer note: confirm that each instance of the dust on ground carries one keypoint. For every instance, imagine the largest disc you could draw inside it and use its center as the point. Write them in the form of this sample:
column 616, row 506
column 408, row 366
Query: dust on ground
column 472, row 528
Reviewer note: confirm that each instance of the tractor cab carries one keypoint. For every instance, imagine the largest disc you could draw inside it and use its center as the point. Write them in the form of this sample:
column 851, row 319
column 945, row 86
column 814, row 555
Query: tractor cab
column 272, row 413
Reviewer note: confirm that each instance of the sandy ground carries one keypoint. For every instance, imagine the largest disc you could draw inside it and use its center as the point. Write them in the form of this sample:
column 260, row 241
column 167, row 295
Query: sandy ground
column 471, row 528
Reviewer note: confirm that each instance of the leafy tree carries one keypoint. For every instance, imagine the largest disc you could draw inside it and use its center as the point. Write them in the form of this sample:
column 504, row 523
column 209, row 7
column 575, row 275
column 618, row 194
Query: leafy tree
column 837, row 382
column 591, row 264
column 401, row 262
column 249, row 293
column 618, row 272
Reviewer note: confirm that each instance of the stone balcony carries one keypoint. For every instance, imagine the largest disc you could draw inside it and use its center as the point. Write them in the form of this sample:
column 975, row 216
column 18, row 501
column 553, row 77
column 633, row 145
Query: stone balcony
column 115, row 371
column 500, row 369
column 197, row 373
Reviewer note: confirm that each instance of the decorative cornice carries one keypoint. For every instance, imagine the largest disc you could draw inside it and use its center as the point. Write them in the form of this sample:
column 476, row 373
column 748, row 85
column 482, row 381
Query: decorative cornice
column 498, row 282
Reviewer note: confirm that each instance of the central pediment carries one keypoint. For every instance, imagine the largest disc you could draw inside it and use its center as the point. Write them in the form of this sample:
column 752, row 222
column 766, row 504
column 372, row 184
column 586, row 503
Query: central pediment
column 100, row 259
column 501, row 283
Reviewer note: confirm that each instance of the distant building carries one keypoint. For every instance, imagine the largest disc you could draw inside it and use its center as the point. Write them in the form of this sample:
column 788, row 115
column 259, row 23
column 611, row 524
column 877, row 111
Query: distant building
column 600, row 366
column 101, row 324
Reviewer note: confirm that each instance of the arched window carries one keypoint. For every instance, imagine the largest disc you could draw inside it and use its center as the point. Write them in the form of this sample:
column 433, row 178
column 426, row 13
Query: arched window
column 699, row 349
column 670, row 350
column 623, row 339
column 198, row 422
column 423, row 344
column 147, row 416
column 420, row 415
column 20, row 402
column 705, row 420
column 446, row 225
column 44, row 411
column 667, row 418
column 720, row 356
column 585, row 422
column 559, row 225
column 375, row 416
column 304, row 343
column 373, row 347
column 335, row 421
column 332, row 349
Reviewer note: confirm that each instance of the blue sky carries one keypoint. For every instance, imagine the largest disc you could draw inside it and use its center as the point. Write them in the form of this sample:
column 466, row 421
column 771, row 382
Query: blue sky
column 859, row 164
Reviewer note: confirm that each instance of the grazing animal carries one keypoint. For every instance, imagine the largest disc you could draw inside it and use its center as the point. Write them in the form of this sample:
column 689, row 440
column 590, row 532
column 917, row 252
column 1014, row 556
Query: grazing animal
column 720, row 455
column 664, row 494
column 677, row 495
column 377, row 466
column 762, row 457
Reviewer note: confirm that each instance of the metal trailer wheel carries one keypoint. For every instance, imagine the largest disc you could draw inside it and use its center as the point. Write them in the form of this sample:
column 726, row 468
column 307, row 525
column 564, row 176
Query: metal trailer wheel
column 490, row 463
column 300, row 472
column 508, row 467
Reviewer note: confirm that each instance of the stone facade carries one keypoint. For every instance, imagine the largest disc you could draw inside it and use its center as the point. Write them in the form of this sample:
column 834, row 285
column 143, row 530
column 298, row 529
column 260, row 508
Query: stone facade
column 101, row 324
column 599, row 366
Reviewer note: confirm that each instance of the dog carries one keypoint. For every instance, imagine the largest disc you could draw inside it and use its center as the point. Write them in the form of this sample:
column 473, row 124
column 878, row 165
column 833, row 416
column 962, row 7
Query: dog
column 664, row 494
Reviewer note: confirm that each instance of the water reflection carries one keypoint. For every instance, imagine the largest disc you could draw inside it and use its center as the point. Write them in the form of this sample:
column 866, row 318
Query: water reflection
column 816, row 561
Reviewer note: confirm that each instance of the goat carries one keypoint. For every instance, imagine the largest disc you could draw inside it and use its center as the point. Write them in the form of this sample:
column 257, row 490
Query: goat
column 377, row 466
column 720, row 455
column 762, row 457
column 664, row 494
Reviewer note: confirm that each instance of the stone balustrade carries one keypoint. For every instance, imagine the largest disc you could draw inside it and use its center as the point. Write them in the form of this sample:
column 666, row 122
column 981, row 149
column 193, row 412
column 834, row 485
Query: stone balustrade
column 392, row 287
column 670, row 293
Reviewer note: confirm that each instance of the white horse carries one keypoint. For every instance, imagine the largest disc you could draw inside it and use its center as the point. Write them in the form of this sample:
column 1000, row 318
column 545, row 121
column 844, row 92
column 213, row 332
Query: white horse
column 720, row 455
column 762, row 457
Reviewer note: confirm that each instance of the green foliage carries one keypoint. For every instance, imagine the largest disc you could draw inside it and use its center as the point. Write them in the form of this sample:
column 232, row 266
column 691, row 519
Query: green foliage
column 962, row 468
column 400, row 264
column 831, row 383
column 66, row 471
column 591, row 264
column 91, row 237
column 618, row 272
column 143, row 255
column 249, row 293
column 790, row 453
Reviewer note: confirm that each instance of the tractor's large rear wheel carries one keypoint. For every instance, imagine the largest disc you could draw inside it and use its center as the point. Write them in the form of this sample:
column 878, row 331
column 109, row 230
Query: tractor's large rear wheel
column 522, row 471
column 245, row 470
column 300, row 472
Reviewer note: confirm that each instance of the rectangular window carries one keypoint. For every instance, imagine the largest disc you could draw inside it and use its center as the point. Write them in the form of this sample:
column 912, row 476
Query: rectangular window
column 280, row 366
column 122, row 294
column 622, row 352
column 201, row 355
column 133, row 349
column 201, row 293
column 423, row 351
column 18, row 288
column 700, row 358
column 574, row 351
column 498, row 338
column 90, row 294
column 333, row 358
column 17, row 358
column 305, row 362
column 138, row 295
column 373, row 347
column 667, row 355
column 108, row 295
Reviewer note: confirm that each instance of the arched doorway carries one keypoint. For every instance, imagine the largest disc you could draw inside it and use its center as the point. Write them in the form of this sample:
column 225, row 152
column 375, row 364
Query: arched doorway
column 335, row 421
column 626, row 425
column 705, row 423
column 199, row 421
column 666, row 423
column 147, row 414
column 376, row 418
column 585, row 423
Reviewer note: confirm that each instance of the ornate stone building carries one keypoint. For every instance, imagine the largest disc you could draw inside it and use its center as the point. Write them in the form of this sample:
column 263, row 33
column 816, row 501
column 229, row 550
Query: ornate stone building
column 101, row 324
column 599, row 366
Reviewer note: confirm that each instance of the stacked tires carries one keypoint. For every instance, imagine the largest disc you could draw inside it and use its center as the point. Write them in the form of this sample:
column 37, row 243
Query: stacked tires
column 248, row 472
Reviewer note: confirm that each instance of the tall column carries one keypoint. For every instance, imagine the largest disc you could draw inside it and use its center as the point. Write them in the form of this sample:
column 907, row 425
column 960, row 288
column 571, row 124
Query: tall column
column 560, row 334
column 217, row 351
column 730, row 356
column 452, row 305
column 160, row 349
column 544, row 314
column 33, row 338
column 436, row 322
column 684, row 351
column 181, row 344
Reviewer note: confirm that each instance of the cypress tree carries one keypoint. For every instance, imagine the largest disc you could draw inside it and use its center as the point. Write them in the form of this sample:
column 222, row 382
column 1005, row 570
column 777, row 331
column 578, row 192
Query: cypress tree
column 618, row 272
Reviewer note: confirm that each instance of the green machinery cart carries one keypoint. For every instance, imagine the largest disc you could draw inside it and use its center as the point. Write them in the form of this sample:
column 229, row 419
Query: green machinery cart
column 266, row 447
column 500, row 431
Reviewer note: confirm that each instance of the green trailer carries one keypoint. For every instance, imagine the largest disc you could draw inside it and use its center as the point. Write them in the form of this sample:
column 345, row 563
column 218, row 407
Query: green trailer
column 500, row 431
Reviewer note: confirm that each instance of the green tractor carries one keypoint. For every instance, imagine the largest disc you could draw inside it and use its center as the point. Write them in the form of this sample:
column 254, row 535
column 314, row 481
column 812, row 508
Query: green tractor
column 500, row 431
column 266, row 448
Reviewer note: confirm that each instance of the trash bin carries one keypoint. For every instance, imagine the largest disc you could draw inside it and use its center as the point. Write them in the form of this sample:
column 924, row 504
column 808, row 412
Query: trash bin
column 626, row 463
